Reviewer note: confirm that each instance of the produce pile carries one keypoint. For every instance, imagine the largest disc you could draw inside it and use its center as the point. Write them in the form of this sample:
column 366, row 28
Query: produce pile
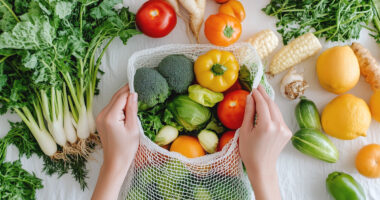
column 50, row 54
column 187, row 106
column 191, row 101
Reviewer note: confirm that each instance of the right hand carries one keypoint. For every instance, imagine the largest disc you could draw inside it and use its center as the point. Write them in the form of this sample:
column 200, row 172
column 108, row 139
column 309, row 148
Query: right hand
column 260, row 145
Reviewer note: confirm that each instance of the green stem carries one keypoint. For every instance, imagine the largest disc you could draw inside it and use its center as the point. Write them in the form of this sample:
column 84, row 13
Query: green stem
column 331, row 27
column 10, row 10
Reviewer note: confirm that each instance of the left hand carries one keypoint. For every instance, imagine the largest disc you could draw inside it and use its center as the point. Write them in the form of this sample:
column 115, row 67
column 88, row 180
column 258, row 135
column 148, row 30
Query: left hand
column 117, row 125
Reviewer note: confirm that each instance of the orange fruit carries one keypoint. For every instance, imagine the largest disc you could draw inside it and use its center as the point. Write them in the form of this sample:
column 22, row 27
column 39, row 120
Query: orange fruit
column 188, row 146
column 368, row 161
column 226, row 137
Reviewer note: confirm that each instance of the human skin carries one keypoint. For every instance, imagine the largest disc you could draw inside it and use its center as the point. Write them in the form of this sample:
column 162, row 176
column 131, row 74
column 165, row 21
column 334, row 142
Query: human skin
column 260, row 145
column 117, row 125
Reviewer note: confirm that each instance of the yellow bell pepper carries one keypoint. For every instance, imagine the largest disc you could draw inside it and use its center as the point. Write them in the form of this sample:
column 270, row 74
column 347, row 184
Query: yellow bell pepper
column 216, row 70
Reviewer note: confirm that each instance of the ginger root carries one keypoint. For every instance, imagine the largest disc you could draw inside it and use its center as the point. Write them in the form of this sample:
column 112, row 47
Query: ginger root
column 369, row 67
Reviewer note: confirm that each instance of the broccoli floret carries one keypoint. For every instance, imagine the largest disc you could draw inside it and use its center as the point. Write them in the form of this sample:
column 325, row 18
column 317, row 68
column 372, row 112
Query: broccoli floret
column 151, row 87
column 178, row 72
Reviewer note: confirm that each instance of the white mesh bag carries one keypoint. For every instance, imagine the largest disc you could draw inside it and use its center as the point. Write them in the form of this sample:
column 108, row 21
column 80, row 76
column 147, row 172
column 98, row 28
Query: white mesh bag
column 157, row 173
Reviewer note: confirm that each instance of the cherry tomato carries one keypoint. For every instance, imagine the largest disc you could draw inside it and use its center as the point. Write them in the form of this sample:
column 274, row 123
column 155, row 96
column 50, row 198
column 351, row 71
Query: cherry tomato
column 221, row 1
column 156, row 18
column 231, row 109
column 235, row 86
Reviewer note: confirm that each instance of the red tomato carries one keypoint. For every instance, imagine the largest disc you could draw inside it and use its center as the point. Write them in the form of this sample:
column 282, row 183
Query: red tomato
column 235, row 86
column 226, row 137
column 231, row 109
column 221, row 1
column 156, row 18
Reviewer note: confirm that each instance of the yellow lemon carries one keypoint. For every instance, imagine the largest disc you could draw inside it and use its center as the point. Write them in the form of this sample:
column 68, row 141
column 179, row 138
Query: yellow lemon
column 346, row 117
column 338, row 69
column 374, row 105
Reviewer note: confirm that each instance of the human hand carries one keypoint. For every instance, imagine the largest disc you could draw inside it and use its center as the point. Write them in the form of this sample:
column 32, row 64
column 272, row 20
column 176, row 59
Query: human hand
column 260, row 145
column 117, row 125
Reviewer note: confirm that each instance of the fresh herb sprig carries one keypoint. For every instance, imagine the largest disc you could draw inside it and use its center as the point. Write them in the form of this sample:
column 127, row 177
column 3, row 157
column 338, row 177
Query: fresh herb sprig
column 335, row 20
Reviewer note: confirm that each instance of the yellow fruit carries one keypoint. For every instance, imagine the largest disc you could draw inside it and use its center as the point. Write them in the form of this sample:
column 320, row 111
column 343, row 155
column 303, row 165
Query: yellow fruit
column 338, row 69
column 346, row 117
column 374, row 105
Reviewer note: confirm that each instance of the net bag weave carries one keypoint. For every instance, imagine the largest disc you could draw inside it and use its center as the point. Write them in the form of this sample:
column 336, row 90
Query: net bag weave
column 157, row 173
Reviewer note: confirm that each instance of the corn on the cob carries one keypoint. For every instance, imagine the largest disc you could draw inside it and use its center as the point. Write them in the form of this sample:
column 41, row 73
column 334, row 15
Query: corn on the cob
column 295, row 52
column 265, row 42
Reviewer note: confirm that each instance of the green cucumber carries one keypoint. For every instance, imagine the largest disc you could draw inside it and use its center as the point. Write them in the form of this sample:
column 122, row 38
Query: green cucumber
column 307, row 114
column 314, row 143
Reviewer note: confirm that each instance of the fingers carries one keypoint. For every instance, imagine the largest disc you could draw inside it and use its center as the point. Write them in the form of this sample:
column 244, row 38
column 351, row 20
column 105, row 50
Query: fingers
column 273, row 108
column 118, row 104
column 262, row 109
column 131, row 111
column 249, row 113
column 124, row 89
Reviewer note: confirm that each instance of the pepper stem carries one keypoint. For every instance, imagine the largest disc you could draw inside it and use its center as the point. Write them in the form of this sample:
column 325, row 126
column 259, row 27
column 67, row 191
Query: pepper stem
column 218, row 69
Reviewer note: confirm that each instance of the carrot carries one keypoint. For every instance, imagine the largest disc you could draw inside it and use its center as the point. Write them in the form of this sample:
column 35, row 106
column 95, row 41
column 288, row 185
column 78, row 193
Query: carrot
column 369, row 67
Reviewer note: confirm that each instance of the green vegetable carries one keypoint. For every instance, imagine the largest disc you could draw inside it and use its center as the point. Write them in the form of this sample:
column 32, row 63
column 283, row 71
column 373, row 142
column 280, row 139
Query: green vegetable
column 247, row 75
column 166, row 135
column 314, row 143
column 49, row 69
column 17, row 183
column 209, row 141
column 227, row 188
column 343, row 186
column 178, row 71
column 333, row 20
column 215, row 125
column 136, row 193
column 174, row 177
column 151, row 87
column 154, row 119
column 204, row 96
column 201, row 192
column 307, row 114
column 189, row 114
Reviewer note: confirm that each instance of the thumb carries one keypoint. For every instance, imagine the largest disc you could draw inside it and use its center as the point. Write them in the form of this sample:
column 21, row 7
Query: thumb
column 249, row 113
column 131, row 111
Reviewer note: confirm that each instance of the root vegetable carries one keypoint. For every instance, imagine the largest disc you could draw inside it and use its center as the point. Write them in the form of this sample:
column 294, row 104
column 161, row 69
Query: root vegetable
column 196, row 9
column 293, row 85
column 369, row 67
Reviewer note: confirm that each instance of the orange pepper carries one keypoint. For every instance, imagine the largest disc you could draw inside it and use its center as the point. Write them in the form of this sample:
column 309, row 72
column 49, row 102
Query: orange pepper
column 233, row 8
column 222, row 29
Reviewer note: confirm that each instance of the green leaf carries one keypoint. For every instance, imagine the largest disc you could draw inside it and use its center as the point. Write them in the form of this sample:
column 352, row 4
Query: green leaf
column 105, row 9
column 37, row 33
column 63, row 9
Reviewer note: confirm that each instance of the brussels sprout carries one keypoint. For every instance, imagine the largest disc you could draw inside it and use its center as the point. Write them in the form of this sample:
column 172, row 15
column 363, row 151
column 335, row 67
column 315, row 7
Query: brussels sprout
column 209, row 141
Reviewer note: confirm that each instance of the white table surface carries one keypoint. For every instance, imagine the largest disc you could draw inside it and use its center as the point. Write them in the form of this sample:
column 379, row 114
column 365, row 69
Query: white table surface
column 301, row 177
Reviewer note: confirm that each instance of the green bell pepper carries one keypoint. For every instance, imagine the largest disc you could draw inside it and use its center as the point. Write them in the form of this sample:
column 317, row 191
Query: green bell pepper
column 342, row 186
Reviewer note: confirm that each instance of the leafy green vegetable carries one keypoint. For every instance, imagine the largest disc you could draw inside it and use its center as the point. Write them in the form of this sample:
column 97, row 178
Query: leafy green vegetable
column 333, row 20
column 154, row 119
column 215, row 125
column 49, row 70
column 188, row 113
column 247, row 75
column 17, row 183
column 204, row 96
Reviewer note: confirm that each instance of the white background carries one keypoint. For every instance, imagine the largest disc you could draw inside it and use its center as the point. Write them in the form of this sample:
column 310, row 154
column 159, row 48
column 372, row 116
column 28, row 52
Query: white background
column 301, row 177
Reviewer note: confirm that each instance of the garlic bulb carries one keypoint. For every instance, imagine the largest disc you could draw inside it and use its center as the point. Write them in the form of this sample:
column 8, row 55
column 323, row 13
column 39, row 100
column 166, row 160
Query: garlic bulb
column 293, row 85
